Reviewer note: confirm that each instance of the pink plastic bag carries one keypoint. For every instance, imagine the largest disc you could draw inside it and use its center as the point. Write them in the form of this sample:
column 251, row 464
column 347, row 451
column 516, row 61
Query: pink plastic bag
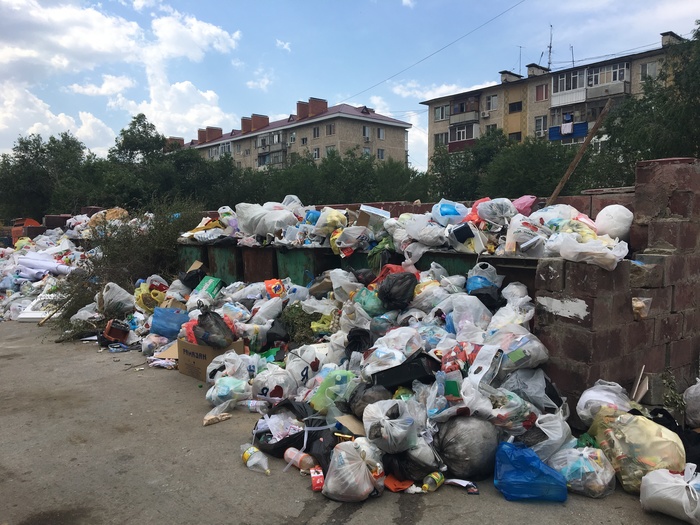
column 524, row 204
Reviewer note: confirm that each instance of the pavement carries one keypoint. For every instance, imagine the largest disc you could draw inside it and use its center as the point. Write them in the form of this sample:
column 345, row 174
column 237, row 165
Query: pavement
column 90, row 437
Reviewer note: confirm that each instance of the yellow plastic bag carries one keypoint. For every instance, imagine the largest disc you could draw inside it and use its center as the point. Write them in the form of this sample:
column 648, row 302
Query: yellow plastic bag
column 147, row 299
column 333, row 240
column 323, row 325
column 636, row 446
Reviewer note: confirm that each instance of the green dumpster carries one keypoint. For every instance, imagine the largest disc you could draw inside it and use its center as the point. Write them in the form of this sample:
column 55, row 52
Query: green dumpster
column 301, row 265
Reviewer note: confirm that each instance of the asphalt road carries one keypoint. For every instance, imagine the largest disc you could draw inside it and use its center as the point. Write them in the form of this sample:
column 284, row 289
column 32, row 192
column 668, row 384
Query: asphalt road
column 88, row 440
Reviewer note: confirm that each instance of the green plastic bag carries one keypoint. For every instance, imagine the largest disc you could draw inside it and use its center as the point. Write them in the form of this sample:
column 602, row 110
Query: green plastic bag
column 369, row 301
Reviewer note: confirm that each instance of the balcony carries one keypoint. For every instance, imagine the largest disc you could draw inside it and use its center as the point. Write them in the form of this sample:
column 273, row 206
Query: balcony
column 609, row 90
column 580, row 130
column 567, row 98
column 469, row 116
column 460, row 145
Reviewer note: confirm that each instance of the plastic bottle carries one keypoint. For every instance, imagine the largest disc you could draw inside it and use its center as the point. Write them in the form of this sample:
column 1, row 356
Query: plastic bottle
column 300, row 460
column 254, row 459
column 254, row 405
column 433, row 481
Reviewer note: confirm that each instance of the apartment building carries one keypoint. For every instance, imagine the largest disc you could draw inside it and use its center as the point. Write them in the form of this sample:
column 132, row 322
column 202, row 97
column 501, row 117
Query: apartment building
column 554, row 105
column 315, row 128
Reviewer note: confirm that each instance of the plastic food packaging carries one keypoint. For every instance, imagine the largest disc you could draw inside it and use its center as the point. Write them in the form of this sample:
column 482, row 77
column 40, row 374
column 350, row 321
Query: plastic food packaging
column 433, row 481
column 300, row 460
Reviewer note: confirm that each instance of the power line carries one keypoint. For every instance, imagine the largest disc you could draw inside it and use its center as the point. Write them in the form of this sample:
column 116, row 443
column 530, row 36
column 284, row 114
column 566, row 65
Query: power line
column 436, row 52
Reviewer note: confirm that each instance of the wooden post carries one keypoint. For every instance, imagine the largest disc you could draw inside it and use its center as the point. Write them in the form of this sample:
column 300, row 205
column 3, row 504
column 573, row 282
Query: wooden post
column 581, row 151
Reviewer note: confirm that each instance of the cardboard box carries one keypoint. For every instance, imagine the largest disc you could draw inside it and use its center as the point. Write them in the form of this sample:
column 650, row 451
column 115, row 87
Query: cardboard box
column 192, row 359
column 372, row 217
column 210, row 285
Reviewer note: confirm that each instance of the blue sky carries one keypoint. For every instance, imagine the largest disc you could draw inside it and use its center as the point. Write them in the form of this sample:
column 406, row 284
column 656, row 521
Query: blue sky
column 89, row 67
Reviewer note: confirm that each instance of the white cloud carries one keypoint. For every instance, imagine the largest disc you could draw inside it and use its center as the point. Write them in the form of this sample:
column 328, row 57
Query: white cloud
column 140, row 5
column 413, row 89
column 408, row 3
column 287, row 46
column 23, row 113
column 262, row 80
column 111, row 85
column 237, row 63
column 185, row 36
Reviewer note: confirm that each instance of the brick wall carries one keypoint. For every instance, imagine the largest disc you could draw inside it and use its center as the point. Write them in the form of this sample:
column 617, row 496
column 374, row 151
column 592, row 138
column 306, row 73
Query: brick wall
column 584, row 314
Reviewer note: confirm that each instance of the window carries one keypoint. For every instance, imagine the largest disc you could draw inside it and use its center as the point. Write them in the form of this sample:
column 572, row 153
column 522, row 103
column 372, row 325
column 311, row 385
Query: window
column 330, row 129
column 491, row 102
column 365, row 132
column 490, row 128
column 541, row 126
column 275, row 138
column 463, row 132
column 649, row 70
column 541, row 92
column 329, row 150
column 607, row 74
column 442, row 112
column 213, row 152
column 380, row 133
column 515, row 137
column 366, row 151
column 292, row 137
column 464, row 106
column 380, row 154
column 441, row 139
column 568, row 81
column 239, row 164
column 276, row 157
column 246, row 152
column 515, row 107
column 316, row 132
column 225, row 148
column 317, row 153
column 238, row 149
column 304, row 140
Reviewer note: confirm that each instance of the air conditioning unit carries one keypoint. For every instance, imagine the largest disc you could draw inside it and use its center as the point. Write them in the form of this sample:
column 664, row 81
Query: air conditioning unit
column 541, row 133
column 289, row 144
column 366, row 139
column 485, row 114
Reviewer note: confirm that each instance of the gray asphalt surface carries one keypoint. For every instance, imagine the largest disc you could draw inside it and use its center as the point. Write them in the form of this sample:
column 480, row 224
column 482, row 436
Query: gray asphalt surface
column 86, row 440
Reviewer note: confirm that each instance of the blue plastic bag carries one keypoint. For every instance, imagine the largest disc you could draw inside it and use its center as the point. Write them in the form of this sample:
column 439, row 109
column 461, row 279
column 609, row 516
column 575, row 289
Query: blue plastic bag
column 521, row 475
column 168, row 321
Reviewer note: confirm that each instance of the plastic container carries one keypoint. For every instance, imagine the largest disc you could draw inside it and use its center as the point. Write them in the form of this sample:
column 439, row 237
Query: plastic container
column 433, row 481
column 254, row 459
column 300, row 460
column 254, row 405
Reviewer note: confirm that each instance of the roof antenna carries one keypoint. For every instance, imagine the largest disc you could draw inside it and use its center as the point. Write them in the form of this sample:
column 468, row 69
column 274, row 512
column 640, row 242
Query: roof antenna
column 539, row 62
column 520, row 60
column 549, row 59
column 572, row 55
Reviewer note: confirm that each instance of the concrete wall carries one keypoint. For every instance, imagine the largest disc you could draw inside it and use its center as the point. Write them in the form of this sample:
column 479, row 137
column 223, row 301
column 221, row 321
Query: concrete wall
column 584, row 314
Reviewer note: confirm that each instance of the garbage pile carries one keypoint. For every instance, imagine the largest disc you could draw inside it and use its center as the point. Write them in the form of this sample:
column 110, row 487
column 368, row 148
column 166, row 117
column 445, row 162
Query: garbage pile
column 495, row 226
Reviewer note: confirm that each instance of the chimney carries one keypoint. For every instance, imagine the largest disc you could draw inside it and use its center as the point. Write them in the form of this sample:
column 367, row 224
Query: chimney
column 246, row 124
column 201, row 135
column 669, row 38
column 302, row 110
column 213, row 133
column 535, row 70
column 259, row 121
column 509, row 76
column 317, row 106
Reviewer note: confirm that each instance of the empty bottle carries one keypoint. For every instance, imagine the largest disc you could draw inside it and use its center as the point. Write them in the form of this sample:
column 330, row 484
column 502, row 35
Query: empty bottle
column 300, row 460
column 433, row 481
column 254, row 459
column 253, row 405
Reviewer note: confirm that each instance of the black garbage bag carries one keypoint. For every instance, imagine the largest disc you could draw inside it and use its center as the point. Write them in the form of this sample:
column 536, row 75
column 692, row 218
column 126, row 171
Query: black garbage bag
column 366, row 394
column 359, row 340
column 364, row 276
column 302, row 412
column 468, row 445
column 396, row 290
column 277, row 333
column 212, row 330
column 322, row 447
column 413, row 464
column 192, row 278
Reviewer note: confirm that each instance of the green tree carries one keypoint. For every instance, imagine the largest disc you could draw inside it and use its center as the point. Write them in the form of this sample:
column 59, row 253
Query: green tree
column 533, row 167
column 139, row 142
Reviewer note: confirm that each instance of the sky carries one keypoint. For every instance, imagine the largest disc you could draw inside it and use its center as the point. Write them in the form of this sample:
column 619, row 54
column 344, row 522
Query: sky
column 89, row 67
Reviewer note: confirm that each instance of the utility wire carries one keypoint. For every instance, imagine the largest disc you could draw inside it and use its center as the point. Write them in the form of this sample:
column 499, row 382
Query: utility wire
column 436, row 52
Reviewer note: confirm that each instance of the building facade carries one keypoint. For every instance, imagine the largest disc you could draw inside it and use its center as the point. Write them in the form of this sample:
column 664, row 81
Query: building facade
column 561, row 105
column 315, row 129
